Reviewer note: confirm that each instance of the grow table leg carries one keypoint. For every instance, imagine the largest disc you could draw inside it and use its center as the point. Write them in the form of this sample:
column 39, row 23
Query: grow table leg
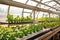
column 55, row 37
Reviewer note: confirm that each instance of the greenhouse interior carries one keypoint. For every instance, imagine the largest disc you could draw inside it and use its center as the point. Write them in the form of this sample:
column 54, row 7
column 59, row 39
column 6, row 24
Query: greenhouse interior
column 29, row 19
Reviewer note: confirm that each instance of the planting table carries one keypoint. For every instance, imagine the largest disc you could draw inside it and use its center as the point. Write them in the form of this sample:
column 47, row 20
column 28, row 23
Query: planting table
column 42, row 35
column 45, row 34
column 50, row 34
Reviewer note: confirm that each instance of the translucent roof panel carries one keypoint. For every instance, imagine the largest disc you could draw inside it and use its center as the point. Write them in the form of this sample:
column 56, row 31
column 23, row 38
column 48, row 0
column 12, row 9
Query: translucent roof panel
column 53, row 3
column 3, row 12
column 22, row 1
column 38, row 0
column 40, row 6
column 15, row 11
column 46, row 7
column 32, row 3
column 43, row 6
column 45, row 1
column 52, row 9
column 57, row 6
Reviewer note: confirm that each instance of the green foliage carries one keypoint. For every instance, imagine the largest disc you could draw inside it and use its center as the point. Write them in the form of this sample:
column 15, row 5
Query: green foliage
column 54, row 23
column 47, row 18
column 42, row 18
column 50, row 24
column 11, row 33
column 17, row 19
column 10, row 18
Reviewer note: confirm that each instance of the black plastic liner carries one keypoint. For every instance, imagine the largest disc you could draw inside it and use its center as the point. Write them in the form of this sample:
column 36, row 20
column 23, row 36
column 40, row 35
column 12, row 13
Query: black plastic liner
column 38, row 35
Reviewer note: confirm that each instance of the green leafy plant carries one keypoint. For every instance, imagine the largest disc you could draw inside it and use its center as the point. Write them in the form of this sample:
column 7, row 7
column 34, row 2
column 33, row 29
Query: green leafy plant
column 17, row 19
column 10, row 18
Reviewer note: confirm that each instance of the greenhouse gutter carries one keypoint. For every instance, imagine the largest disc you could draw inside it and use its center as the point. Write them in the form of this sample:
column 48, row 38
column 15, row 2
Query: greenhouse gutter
column 21, row 5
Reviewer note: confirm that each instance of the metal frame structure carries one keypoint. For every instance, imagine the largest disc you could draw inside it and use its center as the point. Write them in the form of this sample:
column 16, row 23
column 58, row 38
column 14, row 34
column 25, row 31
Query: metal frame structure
column 21, row 5
column 33, row 8
column 45, row 4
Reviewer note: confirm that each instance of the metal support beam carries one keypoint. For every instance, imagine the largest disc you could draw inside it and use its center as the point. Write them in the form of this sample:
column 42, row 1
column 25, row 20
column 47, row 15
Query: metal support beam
column 48, row 2
column 27, row 12
column 33, row 17
column 49, row 17
column 8, row 9
column 23, row 8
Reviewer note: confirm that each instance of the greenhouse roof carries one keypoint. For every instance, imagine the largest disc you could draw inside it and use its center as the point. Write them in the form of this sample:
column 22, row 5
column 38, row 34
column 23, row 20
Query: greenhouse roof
column 49, row 4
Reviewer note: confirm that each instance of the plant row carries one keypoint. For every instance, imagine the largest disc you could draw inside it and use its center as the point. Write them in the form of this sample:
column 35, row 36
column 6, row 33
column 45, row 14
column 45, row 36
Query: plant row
column 11, row 33
column 47, row 19
column 18, row 19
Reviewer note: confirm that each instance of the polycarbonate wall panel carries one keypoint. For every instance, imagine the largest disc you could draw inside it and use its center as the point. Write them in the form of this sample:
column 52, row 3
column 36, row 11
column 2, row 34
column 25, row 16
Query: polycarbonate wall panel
column 22, row 1
column 43, row 1
column 32, row 3
column 15, row 11
column 27, row 12
column 3, row 12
